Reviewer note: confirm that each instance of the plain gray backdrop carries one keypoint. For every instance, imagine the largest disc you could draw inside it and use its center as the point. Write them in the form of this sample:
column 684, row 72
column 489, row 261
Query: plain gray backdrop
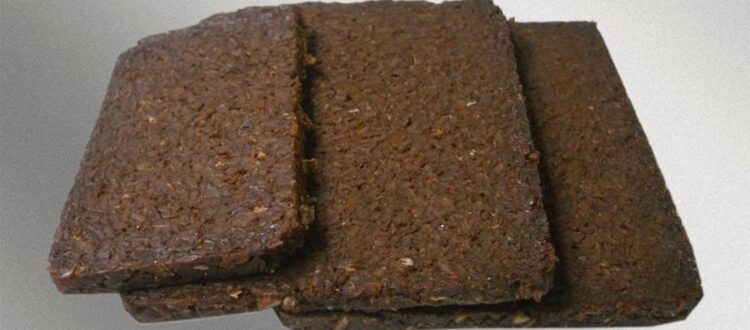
column 686, row 66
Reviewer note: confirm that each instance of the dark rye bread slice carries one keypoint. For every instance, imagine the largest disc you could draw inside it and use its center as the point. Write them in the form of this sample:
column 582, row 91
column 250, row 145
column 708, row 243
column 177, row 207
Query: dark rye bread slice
column 193, row 169
column 428, row 185
column 624, row 257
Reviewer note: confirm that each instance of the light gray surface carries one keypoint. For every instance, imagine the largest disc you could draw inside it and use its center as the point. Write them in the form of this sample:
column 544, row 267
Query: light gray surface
column 685, row 64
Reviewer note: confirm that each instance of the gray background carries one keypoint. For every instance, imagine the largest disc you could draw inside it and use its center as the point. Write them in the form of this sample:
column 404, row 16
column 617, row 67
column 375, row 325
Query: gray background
column 685, row 64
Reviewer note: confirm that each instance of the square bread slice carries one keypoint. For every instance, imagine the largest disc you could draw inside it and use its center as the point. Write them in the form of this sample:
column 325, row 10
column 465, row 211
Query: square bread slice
column 428, row 187
column 193, row 170
column 625, row 259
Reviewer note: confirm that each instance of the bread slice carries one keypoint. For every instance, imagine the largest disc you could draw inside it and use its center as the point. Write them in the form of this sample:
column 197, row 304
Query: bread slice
column 193, row 171
column 428, row 188
column 625, row 259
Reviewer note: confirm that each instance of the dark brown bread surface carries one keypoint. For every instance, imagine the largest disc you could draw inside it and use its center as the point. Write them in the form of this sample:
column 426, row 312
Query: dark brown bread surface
column 192, row 170
column 428, row 185
column 624, row 256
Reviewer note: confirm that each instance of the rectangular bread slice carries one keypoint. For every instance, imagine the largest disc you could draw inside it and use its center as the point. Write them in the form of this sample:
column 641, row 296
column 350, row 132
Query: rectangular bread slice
column 193, row 169
column 428, row 188
column 625, row 259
